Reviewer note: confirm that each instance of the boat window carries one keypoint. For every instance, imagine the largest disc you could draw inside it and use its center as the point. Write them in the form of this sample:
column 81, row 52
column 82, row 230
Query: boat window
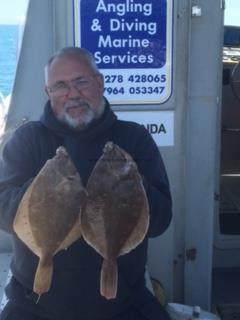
column 12, row 21
column 231, row 36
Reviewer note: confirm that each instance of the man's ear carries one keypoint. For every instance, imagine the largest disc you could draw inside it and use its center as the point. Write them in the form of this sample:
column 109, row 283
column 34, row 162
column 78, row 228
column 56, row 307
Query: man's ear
column 46, row 91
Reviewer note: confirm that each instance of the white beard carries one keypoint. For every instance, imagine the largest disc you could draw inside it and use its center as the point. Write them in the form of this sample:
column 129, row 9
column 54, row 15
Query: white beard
column 85, row 120
column 77, row 123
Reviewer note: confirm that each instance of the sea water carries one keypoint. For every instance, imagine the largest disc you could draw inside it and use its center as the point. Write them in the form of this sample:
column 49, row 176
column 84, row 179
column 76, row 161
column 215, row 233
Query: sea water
column 8, row 57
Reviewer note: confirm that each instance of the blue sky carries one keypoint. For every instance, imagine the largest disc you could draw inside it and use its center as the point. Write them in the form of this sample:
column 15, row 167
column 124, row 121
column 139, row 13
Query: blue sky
column 232, row 12
column 12, row 10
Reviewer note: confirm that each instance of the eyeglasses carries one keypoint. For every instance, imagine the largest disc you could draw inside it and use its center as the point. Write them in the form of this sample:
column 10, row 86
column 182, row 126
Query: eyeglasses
column 63, row 88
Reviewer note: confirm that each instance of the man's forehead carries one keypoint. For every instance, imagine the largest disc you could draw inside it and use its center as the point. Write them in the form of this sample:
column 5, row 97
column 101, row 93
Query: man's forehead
column 68, row 67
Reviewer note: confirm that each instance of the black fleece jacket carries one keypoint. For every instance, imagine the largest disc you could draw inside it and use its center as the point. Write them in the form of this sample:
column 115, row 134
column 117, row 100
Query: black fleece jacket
column 75, row 285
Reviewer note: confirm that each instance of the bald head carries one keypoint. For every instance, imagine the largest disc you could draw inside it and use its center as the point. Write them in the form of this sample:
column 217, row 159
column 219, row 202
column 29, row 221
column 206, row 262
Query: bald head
column 75, row 53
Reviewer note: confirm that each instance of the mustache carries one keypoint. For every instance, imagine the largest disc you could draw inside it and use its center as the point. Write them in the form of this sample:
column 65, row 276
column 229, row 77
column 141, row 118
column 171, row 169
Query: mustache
column 75, row 103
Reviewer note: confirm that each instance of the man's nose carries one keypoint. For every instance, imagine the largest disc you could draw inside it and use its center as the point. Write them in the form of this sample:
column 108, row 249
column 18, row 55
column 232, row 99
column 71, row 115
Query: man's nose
column 73, row 91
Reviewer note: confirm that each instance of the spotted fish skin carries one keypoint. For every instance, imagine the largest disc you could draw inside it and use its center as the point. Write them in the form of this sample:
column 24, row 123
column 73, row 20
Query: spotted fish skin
column 115, row 217
column 47, row 218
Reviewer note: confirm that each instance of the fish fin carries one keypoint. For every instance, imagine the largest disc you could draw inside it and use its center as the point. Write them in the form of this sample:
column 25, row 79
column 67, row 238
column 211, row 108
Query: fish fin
column 109, row 279
column 43, row 277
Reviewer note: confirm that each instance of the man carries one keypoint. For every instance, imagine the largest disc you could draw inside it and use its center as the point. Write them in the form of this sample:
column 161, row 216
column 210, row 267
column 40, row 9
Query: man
column 78, row 117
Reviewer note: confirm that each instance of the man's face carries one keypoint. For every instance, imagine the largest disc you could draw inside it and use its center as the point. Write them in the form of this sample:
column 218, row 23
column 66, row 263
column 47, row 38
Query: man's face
column 75, row 91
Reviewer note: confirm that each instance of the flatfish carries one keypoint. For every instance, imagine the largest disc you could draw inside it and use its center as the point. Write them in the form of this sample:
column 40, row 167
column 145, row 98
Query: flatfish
column 47, row 218
column 115, row 217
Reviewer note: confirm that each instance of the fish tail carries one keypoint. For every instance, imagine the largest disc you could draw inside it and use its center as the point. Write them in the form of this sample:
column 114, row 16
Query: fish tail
column 43, row 277
column 109, row 279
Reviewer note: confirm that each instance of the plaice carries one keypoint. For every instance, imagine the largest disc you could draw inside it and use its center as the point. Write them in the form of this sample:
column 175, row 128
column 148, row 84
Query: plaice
column 115, row 217
column 47, row 218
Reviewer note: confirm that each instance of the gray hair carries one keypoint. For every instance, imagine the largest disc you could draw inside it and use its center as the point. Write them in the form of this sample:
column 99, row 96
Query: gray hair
column 73, row 51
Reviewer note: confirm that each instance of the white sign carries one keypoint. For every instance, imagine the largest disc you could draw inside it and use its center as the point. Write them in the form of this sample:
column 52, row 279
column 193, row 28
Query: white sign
column 131, row 41
column 160, row 124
